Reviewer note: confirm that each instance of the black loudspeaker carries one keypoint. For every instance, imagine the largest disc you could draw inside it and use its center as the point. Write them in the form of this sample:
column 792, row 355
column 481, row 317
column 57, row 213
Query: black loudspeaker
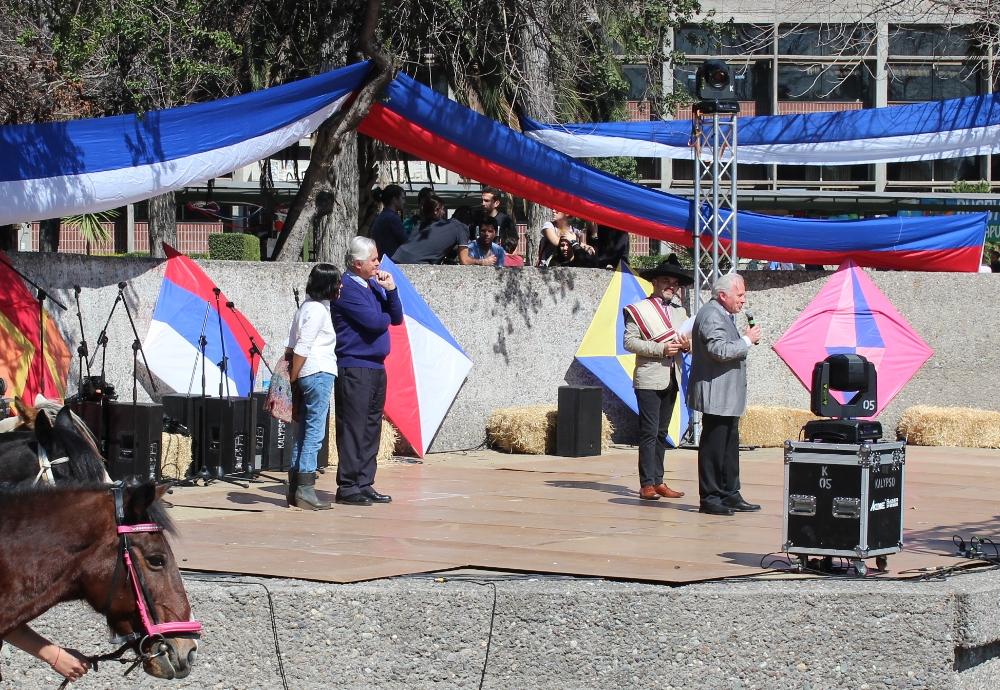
column 134, row 440
column 578, row 424
column 180, row 408
column 94, row 416
column 228, row 433
column 272, row 439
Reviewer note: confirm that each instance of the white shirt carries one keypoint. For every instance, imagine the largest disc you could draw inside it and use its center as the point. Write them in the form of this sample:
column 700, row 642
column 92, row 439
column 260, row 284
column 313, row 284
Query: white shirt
column 312, row 336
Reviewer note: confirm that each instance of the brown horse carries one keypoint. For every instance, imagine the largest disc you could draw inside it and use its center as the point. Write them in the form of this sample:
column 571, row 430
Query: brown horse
column 104, row 545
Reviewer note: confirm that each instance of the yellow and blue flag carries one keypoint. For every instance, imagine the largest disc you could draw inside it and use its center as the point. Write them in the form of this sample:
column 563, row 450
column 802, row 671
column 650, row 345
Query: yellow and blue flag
column 603, row 353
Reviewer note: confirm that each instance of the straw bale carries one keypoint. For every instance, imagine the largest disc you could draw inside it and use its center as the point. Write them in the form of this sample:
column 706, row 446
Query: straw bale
column 770, row 427
column 966, row 427
column 386, row 446
column 532, row 430
column 176, row 457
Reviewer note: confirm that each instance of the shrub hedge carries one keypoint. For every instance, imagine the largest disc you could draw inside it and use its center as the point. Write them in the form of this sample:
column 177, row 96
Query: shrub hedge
column 233, row 246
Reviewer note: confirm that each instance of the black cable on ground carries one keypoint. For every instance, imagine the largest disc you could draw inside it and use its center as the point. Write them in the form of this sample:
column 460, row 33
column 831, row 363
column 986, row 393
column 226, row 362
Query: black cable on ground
column 270, row 606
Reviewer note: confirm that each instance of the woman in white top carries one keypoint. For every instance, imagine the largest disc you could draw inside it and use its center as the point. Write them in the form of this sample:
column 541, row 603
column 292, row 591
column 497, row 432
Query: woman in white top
column 553, row 231
column 312, row 355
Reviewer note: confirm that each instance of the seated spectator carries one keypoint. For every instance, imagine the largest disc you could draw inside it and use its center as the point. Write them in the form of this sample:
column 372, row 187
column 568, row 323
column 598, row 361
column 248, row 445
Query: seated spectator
column 552, row 231
column 612, row 247
column 492, row 201
column 570, row 253
column 437, row 240
column 484, row 251
column 387, row 228
column 995, row 260
column 413, row 222
column 512, row 259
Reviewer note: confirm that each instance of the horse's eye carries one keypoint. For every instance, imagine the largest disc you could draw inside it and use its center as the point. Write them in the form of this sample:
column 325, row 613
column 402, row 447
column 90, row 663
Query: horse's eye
column 156, row 561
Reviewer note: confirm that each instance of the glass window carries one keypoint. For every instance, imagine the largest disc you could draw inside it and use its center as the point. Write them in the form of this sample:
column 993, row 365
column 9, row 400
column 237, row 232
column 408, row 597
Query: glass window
column 826, row 173
column 824, row 82
column 724, row 39
column 943, row 170
column 637, row 77
column 648, row 168
column 826, row 39
column 923, row 82
column 929, row 40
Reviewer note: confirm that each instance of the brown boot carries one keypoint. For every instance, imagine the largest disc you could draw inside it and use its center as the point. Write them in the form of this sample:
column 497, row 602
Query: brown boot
column 648, row 493
column 667, row 492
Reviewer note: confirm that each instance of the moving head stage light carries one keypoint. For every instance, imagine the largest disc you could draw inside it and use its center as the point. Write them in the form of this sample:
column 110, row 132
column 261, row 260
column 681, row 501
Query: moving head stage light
column 714, row 88
column 844, row 373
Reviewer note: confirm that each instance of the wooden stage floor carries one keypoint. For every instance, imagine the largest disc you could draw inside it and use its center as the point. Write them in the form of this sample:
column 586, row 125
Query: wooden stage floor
column 542, row 514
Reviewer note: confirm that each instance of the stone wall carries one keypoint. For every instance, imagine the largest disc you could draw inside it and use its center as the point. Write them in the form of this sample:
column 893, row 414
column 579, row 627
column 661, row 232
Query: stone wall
column 522, row 328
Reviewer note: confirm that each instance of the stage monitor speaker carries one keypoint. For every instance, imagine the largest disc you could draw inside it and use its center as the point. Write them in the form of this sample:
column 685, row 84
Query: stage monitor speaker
column 578, row 423
column 134, row 440
column 94, row 415
column 180, row 408
column 272, row 439
column 228, row 428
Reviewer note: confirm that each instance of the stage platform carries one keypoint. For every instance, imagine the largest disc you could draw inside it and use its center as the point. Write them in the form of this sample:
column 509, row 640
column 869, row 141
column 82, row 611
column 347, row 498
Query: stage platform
column 568, row 516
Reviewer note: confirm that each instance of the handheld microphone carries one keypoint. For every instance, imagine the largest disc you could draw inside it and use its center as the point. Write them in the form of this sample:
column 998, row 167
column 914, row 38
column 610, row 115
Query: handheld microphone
column 750, row 320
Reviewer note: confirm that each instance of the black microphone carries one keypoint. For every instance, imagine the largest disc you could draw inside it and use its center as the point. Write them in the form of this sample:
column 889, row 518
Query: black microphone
column 121, row 285
column 216, row 291
column 230, row 305
column 750, row 320
column 76, row 289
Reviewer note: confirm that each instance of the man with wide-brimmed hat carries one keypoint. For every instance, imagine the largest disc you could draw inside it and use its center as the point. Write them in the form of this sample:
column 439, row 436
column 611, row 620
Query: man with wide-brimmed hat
column 651, row 333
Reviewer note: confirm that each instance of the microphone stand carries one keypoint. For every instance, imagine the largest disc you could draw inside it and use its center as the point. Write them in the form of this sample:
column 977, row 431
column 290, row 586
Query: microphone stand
column 295, row 291
column 81, row 350
column 231, row 477
column 252, row 473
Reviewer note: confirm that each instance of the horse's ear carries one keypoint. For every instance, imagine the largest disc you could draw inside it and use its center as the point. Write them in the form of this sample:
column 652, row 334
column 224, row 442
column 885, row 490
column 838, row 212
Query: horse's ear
column 138, row 498
column 43, row 429
column 25, row 412
column 64, row 420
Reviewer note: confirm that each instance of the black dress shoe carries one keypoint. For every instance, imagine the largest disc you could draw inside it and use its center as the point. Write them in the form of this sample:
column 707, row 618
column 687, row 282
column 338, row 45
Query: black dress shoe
column 741, row 506
column 354, row 500
column 715, row 509
column 376, row 497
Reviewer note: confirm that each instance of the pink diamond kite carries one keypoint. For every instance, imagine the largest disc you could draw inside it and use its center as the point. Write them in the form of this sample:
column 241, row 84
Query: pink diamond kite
column 850, row 315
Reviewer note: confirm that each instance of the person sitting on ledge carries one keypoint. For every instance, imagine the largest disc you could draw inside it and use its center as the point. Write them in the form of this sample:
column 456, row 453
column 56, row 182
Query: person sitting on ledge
column 484, row 251
column 571, row 254
column 437, row 238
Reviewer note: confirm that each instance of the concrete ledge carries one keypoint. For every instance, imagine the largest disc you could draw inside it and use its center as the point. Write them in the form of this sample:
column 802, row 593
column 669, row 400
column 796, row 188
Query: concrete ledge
column 566, row 633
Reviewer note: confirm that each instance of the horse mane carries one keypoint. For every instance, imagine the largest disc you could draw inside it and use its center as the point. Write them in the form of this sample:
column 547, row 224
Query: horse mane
column 84, row 464
column 156, row 512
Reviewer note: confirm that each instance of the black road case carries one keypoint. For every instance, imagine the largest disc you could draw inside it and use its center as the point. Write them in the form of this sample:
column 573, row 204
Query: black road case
column 844, row 499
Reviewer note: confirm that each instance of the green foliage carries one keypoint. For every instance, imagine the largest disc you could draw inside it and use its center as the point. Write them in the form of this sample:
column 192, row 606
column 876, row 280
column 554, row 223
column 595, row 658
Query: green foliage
column 640, row 263
column 91, row 225
column 233, row 246
column 970, row 187
column 624, row 167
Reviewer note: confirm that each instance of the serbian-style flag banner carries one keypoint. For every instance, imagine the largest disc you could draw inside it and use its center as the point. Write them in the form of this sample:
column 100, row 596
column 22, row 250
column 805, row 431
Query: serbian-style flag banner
column 424, row 370
column 915, row 132
column 22, row 367
column 185, row 310
column 602, row 351
column 59, row 169
column 850, row 315
column 422, row 122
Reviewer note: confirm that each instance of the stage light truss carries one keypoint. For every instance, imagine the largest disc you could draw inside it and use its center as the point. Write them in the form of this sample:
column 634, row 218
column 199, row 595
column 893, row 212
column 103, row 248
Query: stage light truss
column 715, row 205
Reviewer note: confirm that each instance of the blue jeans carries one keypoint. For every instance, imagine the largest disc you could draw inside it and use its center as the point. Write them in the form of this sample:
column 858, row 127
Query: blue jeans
column 311, row 427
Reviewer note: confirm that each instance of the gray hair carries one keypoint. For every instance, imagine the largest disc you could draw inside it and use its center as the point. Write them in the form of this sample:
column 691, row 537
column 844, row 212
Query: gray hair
column 726, row 283
column 359, row 249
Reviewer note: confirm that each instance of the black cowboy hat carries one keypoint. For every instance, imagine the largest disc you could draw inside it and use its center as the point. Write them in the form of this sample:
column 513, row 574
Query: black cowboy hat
column 668, row 267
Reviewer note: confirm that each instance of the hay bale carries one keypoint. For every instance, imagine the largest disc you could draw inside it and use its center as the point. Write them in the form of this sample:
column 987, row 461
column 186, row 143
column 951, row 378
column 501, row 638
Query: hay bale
column 770, row 427
column 532, row 429
column 966, row 427
column 176, row 457
column 386, row 445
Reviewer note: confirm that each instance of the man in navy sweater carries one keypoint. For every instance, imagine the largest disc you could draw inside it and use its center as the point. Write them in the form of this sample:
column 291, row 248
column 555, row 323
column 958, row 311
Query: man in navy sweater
column 368, row 304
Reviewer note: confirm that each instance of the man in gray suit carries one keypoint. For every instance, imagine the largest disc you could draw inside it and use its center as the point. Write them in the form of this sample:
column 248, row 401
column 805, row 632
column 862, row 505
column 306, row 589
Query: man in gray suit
column 718, row 389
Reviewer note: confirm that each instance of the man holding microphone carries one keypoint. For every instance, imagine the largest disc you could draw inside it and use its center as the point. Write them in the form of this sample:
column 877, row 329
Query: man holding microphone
column 718, row 389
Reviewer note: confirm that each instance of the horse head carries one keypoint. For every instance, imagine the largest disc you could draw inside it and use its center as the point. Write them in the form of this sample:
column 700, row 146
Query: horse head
column 63, row 439
column 138, row 587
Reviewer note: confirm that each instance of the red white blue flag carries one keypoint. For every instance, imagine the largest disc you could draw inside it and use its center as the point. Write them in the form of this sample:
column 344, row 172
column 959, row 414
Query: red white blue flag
column 186, row 309
column 424, row 370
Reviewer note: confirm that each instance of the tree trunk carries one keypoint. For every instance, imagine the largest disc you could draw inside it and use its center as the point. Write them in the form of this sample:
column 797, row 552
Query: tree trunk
column 537, row 103
column 330, row 186
column 162, row 223
column 48, row 235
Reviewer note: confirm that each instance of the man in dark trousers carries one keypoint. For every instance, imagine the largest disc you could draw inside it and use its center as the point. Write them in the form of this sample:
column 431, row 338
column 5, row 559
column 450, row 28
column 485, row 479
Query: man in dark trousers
column 368, row 304
column 718, row 389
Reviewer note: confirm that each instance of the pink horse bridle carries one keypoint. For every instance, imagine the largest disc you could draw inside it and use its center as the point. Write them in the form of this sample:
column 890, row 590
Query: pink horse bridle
column 151, row 628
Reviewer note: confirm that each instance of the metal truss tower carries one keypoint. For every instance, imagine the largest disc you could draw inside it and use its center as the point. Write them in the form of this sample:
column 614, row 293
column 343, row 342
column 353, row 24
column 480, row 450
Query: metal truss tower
column 714, row 204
